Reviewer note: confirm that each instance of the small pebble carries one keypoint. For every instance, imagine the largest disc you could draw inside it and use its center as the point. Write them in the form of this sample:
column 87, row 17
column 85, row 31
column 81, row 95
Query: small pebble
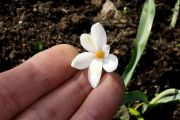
column 20, row 22
column 1, row 23
column 34, row 9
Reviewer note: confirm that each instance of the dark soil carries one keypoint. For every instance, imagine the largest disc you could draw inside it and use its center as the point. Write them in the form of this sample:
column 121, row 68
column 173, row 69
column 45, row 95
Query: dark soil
column 28, row 26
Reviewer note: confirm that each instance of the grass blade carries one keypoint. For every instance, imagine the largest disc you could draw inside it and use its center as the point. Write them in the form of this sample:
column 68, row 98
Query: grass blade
column 135, row 113
column 166, row 96
column 144, row 28
column 169, row 98
column 175, row 14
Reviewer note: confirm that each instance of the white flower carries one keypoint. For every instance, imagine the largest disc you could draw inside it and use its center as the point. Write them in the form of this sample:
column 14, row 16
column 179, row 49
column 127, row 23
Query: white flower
column 97, row 57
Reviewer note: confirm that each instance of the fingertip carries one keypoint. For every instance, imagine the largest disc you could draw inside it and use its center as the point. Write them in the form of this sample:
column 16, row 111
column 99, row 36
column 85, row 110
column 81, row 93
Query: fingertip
column 113, row 85
column 114, row 80
column 104, row 101
column 69, row 48
column 56, row 61
column 111, row 90
column 60, row 50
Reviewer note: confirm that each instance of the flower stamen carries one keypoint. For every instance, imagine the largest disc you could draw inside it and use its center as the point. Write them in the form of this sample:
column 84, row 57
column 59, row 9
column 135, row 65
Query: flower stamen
column 100, row 54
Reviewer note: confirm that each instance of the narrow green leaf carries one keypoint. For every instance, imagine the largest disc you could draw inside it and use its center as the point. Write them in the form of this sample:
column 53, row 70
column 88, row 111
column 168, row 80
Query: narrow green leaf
column 144, row 28
column 166, row 96
column 169, row 98
column 135, row 113
column 134, row 96
column 144, row 108
column 175, row 14
column 132, row 111
column 37, row 46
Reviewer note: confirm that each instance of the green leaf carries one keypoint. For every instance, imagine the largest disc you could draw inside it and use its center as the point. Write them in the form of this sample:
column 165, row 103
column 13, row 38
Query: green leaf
column 168, row 95
column 144, row 107
column 144, row 28
column 123, row 113
column 37, row 46
column 135, row 113
column 169, row 98
column 175, row 14
column 134, row 96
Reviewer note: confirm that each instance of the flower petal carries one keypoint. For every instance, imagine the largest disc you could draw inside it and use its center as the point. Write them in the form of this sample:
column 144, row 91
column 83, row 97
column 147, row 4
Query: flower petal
column 98, row 35
column 106, row 50
column 110, row 63
column 94, row 72
column 87, row 42
column 82, row 60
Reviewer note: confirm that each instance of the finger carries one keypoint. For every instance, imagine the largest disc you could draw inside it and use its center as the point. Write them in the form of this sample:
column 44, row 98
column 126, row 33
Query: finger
column 21, row 86
column 103, row 102
column 62, row 102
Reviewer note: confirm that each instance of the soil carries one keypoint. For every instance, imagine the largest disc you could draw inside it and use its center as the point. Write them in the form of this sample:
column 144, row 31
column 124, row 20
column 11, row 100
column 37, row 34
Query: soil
column 29, row 26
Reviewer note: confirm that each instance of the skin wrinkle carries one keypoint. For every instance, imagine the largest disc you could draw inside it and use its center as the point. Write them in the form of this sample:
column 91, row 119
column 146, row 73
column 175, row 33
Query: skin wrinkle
column 92, row 114
column 40, row 68
column 80, row 85
column 36, row 81
column 36, row 113
column 95, row 115
column 49, row 112
column 8, row 100
column 45, row 79
column 4, row 102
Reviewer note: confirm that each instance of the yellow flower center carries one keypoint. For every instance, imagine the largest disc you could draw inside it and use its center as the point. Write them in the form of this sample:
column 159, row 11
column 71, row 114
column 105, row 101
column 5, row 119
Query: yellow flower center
column 100, row 54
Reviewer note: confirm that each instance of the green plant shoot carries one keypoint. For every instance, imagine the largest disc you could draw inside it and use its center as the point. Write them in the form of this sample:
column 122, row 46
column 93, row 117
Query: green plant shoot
column 166, row 96
column 175, row 14
column 144, row 28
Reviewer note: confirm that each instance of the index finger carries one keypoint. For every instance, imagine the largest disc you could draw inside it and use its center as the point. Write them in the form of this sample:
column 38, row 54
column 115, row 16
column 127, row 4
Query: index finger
column 21, row 86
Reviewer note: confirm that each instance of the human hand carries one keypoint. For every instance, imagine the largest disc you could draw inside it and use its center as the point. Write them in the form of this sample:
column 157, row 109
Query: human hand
column 46, row 87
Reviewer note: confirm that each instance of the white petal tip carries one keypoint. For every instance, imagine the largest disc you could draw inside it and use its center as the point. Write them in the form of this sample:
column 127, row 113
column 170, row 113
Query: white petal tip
column 87, row 42
column 98, row 23
column 74, row 65
column 94, row 72
column 82, row 60
column 110, row 63
column 77, row 66
column 98, row 35
column 93, row 86
column 94, row 81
